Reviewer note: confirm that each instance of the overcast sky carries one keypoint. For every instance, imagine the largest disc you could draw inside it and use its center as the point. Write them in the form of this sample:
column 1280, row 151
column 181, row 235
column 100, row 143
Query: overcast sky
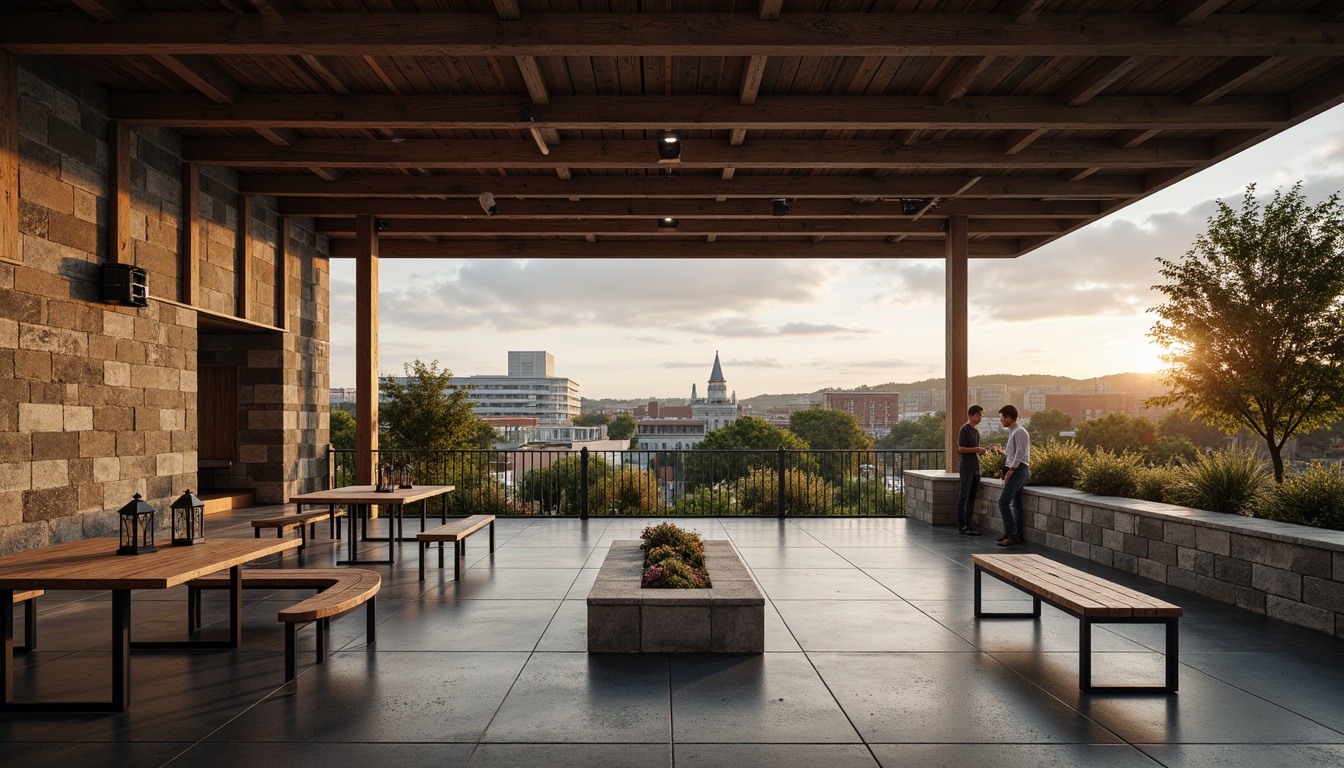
column 630, row 328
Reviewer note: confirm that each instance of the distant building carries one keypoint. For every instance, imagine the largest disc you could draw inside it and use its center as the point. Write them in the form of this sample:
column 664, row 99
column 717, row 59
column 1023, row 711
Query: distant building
column 991, row 397
column 529, row 389
column 1087, row 405
column 669, row 434
column 717, row 409
column 939, row 398
column 656, row 410
column 342, row 395
column 876, row 412
column 1033, row 398
column 917, row 402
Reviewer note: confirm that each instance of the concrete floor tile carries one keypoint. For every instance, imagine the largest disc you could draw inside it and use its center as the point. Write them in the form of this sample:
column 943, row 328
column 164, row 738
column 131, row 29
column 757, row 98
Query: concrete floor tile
column 1246, row 755
column 819, row 584
column 773, row 756
column 1011, row 755
column 467, row 625
column 570, row 755
column 866, row 625
column 310, row 755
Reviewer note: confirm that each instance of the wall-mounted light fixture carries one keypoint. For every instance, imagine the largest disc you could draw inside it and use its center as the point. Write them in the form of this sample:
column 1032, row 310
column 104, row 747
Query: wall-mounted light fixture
column 669, row 146
column 381, row 224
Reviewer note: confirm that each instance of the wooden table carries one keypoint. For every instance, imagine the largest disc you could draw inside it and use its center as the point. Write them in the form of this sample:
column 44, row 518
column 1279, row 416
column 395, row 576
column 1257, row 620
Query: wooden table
column 94, row 564
column 358, row 498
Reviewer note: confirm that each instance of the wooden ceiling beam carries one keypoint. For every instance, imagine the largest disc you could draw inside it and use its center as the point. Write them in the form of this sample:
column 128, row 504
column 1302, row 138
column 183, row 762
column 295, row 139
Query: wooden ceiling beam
column 789, row 226
column 1228, row 78
column 1016, row 141
column 769, row 9
column 1025, row 11
column 640, row 154
column 200, row 73
column 1097, row 77
column 960, row 79
column 670, row 248
column 670, row 34
column 689, row 112
column 104, row 10
column 1185, row 13
column 765, row 187
column 1131, row 139
column 560, row 210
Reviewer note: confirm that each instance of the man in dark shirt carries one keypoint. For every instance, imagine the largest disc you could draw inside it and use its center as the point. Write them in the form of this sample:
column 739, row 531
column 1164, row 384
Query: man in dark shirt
column 968, row 446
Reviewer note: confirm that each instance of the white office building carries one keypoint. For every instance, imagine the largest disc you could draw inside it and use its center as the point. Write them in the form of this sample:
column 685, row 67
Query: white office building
column 530, row 388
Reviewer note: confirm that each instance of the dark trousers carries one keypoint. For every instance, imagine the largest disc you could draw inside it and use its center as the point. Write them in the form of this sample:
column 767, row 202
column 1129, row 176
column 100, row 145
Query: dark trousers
column 1010, row 501
column 970, row 487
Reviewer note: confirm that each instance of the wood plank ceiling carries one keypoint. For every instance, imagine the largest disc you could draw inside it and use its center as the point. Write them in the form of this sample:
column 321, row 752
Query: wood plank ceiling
column 873, row 120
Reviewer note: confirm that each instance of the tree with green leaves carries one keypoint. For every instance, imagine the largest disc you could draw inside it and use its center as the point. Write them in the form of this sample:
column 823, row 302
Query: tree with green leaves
column 427, row 413
column 1183, row 423
column 342, row 430
column 730, row 452
column 1253, row 321
column 827, row 428
column 1047, row 424
column 923, row 432
column 621, row 427
column 590, row 419
column 1117, row 433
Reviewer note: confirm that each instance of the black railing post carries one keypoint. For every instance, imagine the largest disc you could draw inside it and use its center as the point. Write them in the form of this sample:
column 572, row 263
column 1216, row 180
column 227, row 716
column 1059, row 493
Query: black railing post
column 583, row 484
column 780, row 500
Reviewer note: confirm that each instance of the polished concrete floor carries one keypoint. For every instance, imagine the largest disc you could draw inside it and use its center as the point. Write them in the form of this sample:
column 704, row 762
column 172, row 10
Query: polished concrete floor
column 872, row 658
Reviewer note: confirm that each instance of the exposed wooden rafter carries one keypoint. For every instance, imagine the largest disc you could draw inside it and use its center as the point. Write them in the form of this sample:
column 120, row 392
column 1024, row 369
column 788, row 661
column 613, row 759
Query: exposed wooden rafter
column 668, row 248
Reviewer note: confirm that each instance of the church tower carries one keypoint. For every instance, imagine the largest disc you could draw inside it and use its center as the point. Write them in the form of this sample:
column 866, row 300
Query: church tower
column 717, row 409
column 718, row 386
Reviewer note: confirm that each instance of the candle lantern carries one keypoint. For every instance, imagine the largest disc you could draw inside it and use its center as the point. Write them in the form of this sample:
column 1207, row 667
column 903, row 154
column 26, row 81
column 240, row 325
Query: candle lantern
column 386, row 482
column 188, row 520
column 405, row 473
column 137, row 527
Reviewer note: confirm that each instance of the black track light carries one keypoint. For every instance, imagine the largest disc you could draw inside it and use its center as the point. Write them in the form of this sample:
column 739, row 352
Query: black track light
column 381, row 225
column 779, row 207
column 667, row 222
column 669, row 146
column 911, row 207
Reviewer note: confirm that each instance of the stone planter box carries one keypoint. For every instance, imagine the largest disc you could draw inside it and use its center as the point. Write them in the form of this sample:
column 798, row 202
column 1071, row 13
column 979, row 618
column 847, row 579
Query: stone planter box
column 625, row 618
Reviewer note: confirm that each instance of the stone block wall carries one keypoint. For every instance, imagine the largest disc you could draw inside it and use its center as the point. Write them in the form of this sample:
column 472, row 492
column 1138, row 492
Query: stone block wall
column 98, row 401
column 1288, row 572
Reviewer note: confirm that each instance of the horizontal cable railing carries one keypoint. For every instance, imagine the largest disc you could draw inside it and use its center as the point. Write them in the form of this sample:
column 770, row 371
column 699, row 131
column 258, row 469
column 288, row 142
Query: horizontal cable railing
column 716, row 483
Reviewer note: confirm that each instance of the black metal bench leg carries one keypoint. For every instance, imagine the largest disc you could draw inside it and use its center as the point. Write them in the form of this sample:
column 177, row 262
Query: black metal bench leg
column 193, row 609
column 291, row 647
column 1085, row 655
column 322, row 628
column 492, row 537
column 441, row 554
column 424, row 552
column 371, row 621
column 1173, row 654
column 457, row 560
column 29, row 627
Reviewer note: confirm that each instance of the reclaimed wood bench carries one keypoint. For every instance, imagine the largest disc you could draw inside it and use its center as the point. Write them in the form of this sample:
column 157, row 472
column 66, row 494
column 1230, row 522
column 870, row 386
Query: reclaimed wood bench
column 29, row 599
column 339, row 590
column 456, row 531
column 306, row 522
column 1092, row 599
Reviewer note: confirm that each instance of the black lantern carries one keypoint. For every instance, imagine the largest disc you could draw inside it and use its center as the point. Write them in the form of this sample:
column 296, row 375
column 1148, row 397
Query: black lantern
column 404, row 476
column 386, row 482
column 137, row 527
column 188, row 520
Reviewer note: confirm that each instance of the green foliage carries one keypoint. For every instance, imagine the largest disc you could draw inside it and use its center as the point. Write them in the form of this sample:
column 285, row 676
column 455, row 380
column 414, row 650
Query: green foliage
column 1183, row 423
column 1314, row 497
column 1231, row 482
column 993, row 464
column 1057, row 464
column 622, row 427
column 671, row 541
column 557, row 489
column 627, row 491
column 705, row 502
column 1116, row 432
column 824, row 428
column 805, row 493
column 1047, row 424
column 342, row 430
column 674, row 574
column 705, row 465
column 1109, row 474
column 867, row 496
column 1170, row 449
column 590, row 420
column 923, row 432
column 1157, row 483
column 426, row 412
column 1253, row 321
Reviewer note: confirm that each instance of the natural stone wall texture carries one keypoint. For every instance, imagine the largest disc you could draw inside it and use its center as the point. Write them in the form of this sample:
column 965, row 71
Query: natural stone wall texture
column 97, row 401
column 1288, row 572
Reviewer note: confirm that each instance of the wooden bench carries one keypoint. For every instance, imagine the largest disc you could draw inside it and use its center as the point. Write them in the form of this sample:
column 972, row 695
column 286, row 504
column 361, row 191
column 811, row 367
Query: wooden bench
column 339, row 590
column 29, row 599
column 1092, row 599
column 457, row 531
column 282, row 523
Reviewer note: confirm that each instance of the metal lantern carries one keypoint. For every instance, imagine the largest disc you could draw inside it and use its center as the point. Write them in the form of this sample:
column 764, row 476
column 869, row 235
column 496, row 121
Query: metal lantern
column 137, row 527
column 188, row 520
column 385, row 479
column 405, row 476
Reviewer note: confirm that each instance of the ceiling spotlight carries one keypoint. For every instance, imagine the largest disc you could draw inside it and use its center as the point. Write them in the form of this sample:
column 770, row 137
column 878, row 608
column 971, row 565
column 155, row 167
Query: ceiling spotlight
column 911, row 207
column 667, row 222
column 381, row 224
column 669, row 146
column 779, row 207
column 488, row 204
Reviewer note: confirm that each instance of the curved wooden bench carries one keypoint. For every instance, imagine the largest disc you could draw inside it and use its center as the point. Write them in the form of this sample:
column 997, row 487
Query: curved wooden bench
column 29, row 599
column 282, row 523
column 1092, row 599
column 340, row 590
column 456, row 531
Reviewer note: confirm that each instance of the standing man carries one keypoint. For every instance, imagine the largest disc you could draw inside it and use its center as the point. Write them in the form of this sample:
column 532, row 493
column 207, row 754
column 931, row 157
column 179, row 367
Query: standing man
column 1016, row 455
column 968, row 466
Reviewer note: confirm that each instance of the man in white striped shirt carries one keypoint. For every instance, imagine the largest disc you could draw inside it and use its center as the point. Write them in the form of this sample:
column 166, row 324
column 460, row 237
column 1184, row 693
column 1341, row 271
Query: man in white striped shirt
column 1016, row 455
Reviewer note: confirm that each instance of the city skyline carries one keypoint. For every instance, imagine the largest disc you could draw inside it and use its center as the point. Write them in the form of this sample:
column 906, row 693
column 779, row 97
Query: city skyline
column 631, row 328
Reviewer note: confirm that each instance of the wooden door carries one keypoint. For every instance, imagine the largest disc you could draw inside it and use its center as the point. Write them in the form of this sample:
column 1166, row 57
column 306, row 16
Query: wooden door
column 217, row 414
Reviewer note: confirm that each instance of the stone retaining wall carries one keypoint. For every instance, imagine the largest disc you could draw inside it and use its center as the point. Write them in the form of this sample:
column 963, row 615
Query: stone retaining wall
column 1288, row 572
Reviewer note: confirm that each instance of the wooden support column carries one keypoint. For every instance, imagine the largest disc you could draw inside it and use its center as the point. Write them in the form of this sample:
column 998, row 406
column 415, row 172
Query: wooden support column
column 956, row 368
column 243, row 276
column 190, row 268
column 10, row 242
column 282, row 273
column 366, row 348
column 119, row 194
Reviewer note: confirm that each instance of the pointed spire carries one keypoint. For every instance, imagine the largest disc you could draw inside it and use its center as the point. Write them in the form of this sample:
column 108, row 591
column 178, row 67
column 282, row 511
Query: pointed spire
column 717, row 373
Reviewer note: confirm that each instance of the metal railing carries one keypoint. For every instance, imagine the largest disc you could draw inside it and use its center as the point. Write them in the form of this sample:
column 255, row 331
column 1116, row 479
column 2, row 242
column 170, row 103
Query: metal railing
column 727, row 483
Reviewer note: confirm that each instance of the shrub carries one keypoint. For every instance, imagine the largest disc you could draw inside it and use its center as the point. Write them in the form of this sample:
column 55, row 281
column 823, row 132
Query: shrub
column 805, row 493
column 992, row 464
column 674, row 574
column 1170, row 449
column 673, row 558
column 1157, row 484
column 1231, row 482
column 626, row 491
column 1109, row 474
column 705, row 502
column 867, row 496
column 686, row 544
column 1057, row 464
column 1314, row 497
